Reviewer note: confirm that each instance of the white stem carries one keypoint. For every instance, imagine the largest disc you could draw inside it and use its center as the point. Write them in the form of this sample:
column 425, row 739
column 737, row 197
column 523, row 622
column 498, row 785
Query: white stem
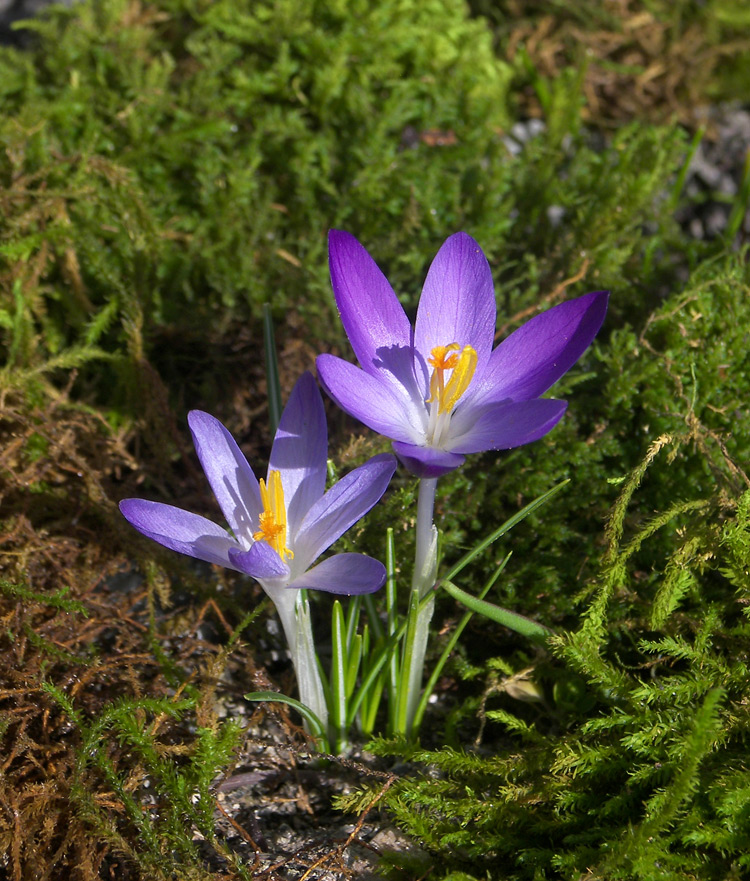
column 305, row 663
column 423, row 578
column 416, row 666
column 425, row 558
column 294, row 612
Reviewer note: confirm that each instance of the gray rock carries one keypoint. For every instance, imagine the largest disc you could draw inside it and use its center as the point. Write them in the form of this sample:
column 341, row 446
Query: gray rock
column 16, row 10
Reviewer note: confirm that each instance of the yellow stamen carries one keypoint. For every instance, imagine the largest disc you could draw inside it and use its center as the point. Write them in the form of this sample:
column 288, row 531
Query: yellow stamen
column 463, row 365
column 272, row 520
column 444, row 357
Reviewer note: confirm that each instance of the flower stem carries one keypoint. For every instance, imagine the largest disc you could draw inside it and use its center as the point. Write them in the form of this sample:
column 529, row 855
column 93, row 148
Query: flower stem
column 420, row 613
column 425, row 558
column 306, row 664
column 294, row 611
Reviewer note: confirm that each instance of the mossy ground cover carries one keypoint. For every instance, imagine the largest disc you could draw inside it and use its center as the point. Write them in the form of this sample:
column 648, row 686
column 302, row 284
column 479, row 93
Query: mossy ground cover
column 169, row 167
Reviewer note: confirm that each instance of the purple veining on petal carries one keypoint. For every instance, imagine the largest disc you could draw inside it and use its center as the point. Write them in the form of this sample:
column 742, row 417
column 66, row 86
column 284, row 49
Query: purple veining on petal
column 424, row 461
column 261, row 561
column 370, row 400
column 371, row 314
column 458, row 300
column 300, row 450
column 509, row 424
column 539, row 352
column 179, row 530
column 345, row 502
column 231, row 478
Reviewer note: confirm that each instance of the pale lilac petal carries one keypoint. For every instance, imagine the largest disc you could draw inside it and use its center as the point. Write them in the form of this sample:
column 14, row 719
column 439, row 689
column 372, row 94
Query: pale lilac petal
column 427, row 461
column 372, row 401
column 458, row 301
column 347, row 574
column 231, row 478
column 508, row 424
column 371, row 314
column 300, row 450
column 180, row 530
column 536, row 355
column 344, row 503
column 261, row 561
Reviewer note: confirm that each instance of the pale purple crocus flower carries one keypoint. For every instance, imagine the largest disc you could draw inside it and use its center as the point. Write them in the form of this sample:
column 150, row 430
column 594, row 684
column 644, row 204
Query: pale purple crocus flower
column 439, row 390
column 280, row 525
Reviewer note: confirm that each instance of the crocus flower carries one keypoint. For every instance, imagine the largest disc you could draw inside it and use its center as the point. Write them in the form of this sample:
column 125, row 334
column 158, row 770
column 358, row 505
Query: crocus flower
column 439, row 390
column 282, row 524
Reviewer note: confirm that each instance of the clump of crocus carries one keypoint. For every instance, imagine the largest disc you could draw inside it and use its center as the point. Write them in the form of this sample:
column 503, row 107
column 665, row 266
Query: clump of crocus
column 281, row 524
column 439, row 390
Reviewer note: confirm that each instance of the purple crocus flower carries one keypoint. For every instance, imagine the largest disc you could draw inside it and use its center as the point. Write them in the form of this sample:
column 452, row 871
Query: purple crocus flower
column 439, row 390
column 280, row 526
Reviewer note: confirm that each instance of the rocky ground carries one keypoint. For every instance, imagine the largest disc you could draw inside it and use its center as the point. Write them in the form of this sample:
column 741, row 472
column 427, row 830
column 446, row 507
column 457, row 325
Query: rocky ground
column 15, row 10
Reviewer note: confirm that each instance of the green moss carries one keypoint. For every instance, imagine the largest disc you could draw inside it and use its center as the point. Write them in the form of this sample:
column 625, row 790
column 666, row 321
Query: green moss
column 166, row 168
column 681, row 371
column 183, row 165
column 644, row 779
column 164, row 174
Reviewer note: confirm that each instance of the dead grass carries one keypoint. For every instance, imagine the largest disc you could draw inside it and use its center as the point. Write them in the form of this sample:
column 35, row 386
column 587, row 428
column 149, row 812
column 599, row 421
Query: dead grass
column 639, row 67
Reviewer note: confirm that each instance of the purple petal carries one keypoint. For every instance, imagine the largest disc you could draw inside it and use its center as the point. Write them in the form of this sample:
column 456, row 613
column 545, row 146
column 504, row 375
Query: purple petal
column 458, row 300
column 300, row 450
column 231, row 478
column 536, row 355
column 345, row 503
column 427, row 461
column 371, row 314
column 371, row 400
column 343, row 574
column 180, row 530
column 261, row 561
column 507, row 424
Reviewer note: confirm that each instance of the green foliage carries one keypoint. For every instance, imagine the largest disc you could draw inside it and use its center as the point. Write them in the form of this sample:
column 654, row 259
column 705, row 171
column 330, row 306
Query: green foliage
column 181, row 165
column 648, row 778
column 621, row 755
column 59, row 599
column 166, row 172
column 166, row 167
column 163, row 792
column 680, row 372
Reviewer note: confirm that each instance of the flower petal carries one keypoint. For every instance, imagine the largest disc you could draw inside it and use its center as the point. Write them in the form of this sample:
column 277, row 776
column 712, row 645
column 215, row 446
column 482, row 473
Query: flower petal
column 371, row 314
column 344, row 503
column 458, row 301
column 536, row 355
column 231, row 478
column 261, row 561
column 180, row 530
column 371, row 400
column 509, row 424
column 343, row 574
column 300, row 450
column 427, row 461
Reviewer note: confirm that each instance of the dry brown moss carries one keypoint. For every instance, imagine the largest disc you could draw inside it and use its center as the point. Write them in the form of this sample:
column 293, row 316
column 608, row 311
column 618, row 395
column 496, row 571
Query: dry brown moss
column 638, row 64
column 74, row 642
